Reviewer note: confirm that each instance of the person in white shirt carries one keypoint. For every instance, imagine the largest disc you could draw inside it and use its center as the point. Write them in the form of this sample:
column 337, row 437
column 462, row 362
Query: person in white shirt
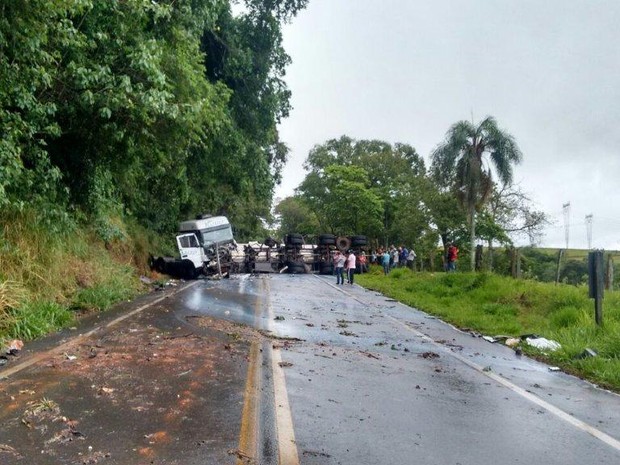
column 350, row 267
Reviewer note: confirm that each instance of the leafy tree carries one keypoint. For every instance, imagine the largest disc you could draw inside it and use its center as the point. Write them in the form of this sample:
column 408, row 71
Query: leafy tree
column 394, row 173
column 343, row 201
column 158, row 110
column 296, row 217
column 462, row 162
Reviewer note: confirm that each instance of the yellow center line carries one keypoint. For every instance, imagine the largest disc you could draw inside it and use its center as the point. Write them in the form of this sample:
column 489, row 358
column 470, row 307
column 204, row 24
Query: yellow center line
column 249, row 417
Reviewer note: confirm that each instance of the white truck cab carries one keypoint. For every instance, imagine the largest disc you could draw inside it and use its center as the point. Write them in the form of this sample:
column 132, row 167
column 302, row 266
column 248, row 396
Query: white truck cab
column 205, row 246
column 209, row 230
column 207, row 242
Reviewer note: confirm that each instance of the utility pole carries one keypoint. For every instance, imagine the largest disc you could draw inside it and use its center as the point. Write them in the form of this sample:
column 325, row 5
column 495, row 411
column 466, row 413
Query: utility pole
column 589, row 230
column 566, row 210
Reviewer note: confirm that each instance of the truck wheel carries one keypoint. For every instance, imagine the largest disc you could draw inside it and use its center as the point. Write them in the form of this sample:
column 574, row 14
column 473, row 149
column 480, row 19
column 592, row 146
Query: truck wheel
column 343, row 243
column 294, row 239
column 189, row 270
column 359, row 241
column 327, row 239
column 160, row 265
column 296, row 268
column 270, row 242
column 326, row 268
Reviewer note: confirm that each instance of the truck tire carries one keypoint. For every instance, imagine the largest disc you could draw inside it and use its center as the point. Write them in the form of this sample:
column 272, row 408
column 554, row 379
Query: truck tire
column 296, row 268
column 343, row 243
column 160, row 265
column 189, row 270
column 359, row 241
column 270, row 242
column 326, row 268
column 294, row 239
column 327, row 239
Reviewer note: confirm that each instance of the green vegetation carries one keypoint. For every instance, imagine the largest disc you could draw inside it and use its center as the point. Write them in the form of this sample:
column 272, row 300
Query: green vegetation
column 386, row 192
column 121, row 117
column 461, row 163
column 48, row 278
column 153, row 111
column 497, row 305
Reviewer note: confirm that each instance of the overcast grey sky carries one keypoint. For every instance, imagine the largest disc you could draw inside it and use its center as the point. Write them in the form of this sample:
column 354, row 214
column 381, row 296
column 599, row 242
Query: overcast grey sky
column 406, row 70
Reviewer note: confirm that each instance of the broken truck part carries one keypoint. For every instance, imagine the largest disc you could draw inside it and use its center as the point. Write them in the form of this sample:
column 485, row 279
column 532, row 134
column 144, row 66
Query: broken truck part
column 205, row 246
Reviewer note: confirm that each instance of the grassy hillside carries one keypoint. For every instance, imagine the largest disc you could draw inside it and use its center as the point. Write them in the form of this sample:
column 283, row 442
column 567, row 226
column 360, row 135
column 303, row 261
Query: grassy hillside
column 497, row 305
column 47, row 277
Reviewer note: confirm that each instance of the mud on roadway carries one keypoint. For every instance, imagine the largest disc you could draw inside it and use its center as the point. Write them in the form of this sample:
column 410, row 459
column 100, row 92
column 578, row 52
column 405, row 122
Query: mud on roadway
column 154, row 388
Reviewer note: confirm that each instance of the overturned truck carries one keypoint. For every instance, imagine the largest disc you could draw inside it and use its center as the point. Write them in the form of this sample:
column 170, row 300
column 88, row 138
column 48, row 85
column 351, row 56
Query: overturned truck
column 294, row 255
column 205, row 246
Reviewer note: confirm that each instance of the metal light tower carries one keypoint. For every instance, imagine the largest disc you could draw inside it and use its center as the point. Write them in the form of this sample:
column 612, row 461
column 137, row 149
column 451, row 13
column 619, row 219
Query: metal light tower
column 566, row 209
column 589, row 230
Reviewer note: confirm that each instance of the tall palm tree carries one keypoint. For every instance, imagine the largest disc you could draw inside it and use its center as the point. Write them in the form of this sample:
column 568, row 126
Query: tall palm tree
column 462, row 162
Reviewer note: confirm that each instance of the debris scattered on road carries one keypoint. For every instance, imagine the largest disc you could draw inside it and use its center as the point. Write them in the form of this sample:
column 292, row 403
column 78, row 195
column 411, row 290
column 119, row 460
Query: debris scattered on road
column 312, row 453
column 487, row 369
column 368, row 354
column 279, row 318
column 428, row 355
column 554, row 368
column 4, row 449
column 348, row 333
column 105, row 391
column 513, row 341
column 245, row 458
column 70, row 357
column 382, row 343
column 542, row 343
column 310, row 325
column 285, row 364
column 587, row 353
column 14, row 347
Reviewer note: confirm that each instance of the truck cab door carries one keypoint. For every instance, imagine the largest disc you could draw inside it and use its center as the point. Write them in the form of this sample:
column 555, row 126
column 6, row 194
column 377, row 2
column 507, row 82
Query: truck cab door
column 190, row 249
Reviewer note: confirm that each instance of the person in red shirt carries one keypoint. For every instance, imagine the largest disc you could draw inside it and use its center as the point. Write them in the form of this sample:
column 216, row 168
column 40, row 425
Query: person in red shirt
column 451, row 256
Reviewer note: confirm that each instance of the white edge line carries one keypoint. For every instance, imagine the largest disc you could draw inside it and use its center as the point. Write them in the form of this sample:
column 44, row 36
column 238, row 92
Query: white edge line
column 287, row 446
column 21, row 366
column 518, row 390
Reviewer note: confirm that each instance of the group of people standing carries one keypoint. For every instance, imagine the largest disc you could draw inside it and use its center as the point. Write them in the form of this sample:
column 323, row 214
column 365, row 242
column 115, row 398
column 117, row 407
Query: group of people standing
column 389, row 258
column 346, row 263
column 393, row 257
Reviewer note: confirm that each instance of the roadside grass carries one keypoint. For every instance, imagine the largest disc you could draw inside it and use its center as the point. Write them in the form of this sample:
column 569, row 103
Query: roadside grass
column 48, row 278
column 497, row 305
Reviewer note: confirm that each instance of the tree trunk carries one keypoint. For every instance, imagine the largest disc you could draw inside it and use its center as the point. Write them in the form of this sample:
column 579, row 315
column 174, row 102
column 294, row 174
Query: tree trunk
column 479, row 255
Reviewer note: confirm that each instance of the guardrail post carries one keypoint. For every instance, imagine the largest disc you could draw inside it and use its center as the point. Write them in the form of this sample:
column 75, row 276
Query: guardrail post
column 596, row 283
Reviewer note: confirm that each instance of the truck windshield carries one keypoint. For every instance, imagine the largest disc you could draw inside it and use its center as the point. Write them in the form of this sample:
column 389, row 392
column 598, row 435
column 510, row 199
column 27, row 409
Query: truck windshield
column 221, row 235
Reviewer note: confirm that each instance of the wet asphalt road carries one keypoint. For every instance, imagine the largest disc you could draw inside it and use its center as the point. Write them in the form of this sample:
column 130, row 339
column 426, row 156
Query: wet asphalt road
column 332, row 375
